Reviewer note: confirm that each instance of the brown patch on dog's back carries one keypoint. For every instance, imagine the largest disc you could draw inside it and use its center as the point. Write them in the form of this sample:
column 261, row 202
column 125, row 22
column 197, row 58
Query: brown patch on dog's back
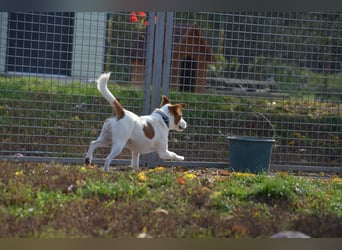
column 148, row 130
column 176, row 110
column 118, row 110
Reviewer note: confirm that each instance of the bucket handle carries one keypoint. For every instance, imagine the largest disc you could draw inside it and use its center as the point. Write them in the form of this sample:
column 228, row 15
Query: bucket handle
column 269, row 122
column 259, row 113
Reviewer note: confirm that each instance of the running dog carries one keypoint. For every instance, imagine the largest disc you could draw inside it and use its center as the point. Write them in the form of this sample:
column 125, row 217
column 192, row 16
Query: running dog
column 140, row 134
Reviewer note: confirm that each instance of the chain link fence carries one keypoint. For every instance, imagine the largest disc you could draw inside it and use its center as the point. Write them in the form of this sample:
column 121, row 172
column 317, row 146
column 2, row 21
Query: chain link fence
column 271, row 74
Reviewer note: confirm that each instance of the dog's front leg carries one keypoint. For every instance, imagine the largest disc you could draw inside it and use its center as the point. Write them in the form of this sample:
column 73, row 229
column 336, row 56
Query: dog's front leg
column 168, row 155
column 135, row 160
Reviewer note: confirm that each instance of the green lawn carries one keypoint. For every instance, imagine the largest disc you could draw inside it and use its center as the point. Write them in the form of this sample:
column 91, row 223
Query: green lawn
column 52, row 200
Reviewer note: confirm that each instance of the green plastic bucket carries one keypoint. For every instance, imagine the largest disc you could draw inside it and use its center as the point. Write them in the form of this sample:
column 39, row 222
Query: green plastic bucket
column 250, row 154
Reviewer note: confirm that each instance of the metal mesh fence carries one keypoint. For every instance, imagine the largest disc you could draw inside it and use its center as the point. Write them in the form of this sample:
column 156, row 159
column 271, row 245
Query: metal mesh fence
column 278, row 68
column 272, row 74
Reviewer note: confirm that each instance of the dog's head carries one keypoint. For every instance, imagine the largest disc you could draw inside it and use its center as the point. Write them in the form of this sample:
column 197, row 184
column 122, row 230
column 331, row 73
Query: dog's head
column 174, row 111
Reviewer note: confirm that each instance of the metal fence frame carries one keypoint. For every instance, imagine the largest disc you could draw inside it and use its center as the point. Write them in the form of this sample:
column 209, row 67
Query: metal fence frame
column 158, row 74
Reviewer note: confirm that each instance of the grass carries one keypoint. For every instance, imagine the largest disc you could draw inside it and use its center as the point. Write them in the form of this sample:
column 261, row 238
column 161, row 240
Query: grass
column 52, row 200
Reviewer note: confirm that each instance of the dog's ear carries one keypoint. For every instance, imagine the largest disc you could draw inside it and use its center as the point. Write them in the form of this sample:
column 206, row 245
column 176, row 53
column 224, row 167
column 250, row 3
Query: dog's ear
column 164, row 101
column 183, row 105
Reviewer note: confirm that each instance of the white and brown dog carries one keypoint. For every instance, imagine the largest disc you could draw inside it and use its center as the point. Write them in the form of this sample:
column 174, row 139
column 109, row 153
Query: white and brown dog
column 140, row 134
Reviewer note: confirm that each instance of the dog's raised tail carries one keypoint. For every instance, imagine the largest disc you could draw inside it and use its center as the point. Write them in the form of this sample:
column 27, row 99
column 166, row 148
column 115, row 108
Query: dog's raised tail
column 103, row 88
column 102, row 83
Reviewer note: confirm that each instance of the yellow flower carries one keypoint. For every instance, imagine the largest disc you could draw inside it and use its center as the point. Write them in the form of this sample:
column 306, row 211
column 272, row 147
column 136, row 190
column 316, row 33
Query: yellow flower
column 19, row 173
column 216, row 194
column 190, row 176
column 83, row 169
column 142, row 177
column 157, row 169
column 336, row 180
column 243, row 174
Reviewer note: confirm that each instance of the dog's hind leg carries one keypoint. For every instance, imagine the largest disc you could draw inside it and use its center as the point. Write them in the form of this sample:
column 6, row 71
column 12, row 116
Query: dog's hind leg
column 102, row 141
column 115, row 151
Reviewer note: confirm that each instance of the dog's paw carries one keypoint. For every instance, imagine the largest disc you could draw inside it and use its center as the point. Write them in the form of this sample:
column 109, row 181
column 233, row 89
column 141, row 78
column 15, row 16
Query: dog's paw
column 180, row 158
column 135, row 168
column 106, row 167
column 87, row 161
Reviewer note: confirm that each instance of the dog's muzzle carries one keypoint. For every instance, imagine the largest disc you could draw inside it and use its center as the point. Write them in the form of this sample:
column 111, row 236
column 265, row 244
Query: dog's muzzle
column 182, row 125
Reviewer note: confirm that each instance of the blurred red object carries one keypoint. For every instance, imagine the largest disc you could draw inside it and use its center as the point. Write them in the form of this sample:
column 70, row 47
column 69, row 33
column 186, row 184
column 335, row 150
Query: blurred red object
column 133, row 17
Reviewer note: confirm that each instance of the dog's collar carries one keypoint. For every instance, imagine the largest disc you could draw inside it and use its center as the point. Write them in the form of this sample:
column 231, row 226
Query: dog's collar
column 164, row 116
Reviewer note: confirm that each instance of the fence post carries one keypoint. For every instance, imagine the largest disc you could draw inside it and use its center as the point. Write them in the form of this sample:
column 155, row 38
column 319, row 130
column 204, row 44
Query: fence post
column 167, row 53
column 149, row 63
column 158, row 60
column 148, row 73
column 157, row 69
